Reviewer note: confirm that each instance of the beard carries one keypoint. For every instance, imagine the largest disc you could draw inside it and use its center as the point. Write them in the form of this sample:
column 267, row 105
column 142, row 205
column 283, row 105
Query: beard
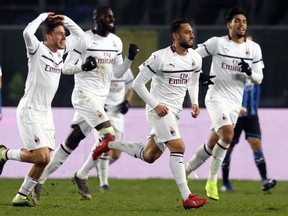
column 185, row 45
column 108, row 28
column 239, row 36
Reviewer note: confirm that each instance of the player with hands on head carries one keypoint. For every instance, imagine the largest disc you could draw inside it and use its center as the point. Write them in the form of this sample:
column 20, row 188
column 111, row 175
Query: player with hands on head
column 223, row 99
column 92, row 84
column 173, row 70
column 34, row 112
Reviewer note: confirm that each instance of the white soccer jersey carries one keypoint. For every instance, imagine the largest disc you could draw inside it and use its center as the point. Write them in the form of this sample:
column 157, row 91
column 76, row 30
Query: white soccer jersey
column 226, row 55
column 0, row 71
column 172, row 75
column 118, row 88
column 107, row 51
column 44, row 65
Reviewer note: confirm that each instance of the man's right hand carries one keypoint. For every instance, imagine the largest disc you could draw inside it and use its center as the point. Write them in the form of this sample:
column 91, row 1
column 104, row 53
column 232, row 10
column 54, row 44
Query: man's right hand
column 205, row 79
column 89, row 64
column 161, row 110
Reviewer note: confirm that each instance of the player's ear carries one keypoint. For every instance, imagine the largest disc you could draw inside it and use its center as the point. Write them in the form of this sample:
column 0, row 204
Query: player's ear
column 174, row 35
column 228, row 25
column 47, row 37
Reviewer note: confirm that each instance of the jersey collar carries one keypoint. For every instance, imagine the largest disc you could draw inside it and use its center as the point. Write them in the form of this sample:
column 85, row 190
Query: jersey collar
column 245, row 39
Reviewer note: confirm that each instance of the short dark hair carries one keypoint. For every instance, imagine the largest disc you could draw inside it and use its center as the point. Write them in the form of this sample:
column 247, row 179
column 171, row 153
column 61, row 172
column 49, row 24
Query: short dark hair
column 230, row 13
column 50, row 25
column 175, row 25
column 100, row 11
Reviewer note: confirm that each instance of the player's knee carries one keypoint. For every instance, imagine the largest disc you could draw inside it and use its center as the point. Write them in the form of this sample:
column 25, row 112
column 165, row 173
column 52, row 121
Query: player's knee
column 114, row 154
column 104, row 131
column 74, row 138
column 40, row 157
column 227, row 134
column 41, row 161
column 149, row 158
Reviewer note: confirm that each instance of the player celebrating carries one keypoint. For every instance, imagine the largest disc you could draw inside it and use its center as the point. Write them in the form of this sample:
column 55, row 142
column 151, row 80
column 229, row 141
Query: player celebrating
column 233, row 60
column 116, row 105
column 34, row 113
column 94, row 61
column 173, row 71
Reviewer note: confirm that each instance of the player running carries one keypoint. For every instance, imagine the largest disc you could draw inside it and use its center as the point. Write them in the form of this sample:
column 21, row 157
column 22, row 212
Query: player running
column 233, row 60
column 173, row 71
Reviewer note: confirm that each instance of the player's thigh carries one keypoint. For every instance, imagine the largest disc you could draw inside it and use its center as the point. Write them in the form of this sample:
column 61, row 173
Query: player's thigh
column 252, row 127
column 82, row 123
column 238, row 130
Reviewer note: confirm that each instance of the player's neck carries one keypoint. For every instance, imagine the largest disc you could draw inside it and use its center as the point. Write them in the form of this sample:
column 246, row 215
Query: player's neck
column 101, row 32
column 236, row 39
column 179, row 50
column 50, row 47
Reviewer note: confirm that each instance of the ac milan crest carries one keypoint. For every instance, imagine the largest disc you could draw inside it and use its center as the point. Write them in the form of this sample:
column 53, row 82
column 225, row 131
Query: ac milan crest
column 36, row 139
column 114, row 44
column 100, row 115
column 172, row 131
column 247, row 52
column 193, row 63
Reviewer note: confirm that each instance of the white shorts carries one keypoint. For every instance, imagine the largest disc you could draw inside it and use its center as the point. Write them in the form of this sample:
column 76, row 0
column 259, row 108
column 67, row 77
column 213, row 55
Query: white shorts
column 36, row 128
column 163, row 128
column 221, row 113
column 89, row 110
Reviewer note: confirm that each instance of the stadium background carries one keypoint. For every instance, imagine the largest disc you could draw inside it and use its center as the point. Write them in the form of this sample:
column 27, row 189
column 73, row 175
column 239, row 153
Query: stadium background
column 146, row 23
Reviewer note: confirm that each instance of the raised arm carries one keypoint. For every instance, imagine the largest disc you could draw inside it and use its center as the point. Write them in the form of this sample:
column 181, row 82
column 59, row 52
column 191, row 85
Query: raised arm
column 31, row 41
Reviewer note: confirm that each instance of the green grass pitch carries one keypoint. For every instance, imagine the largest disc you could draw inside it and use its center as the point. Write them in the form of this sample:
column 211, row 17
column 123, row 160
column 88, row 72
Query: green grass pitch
column 145, row 197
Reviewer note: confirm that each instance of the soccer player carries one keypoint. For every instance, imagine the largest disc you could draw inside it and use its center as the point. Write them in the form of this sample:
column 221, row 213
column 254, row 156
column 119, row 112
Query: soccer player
column 94, row 61
column 248, row 121
column 233, row 60
column 173, row 71
column 0, row 93
column 34, row 113
column 116, row 105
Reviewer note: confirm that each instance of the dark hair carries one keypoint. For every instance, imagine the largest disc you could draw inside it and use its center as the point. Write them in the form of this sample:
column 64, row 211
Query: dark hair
column 232, row 12
column 100, row 11
column 50, row 25
column 175, row 25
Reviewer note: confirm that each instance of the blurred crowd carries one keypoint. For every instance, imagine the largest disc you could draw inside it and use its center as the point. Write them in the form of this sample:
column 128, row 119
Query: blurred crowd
column 149, row 12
